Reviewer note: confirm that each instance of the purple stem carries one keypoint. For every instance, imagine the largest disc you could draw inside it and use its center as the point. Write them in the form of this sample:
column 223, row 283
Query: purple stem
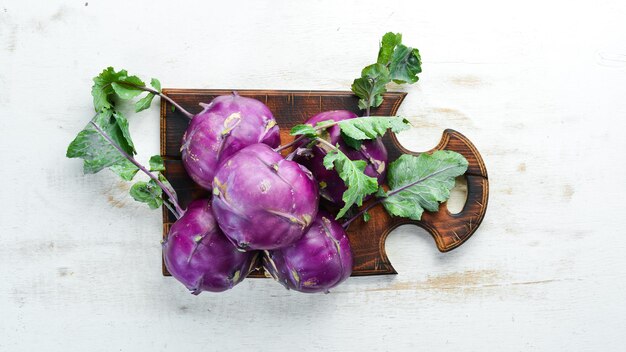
column 170, row 196
column 323, row 141
column 370, row 206
column 285, row 146
column 153, row 91
column 291, row 155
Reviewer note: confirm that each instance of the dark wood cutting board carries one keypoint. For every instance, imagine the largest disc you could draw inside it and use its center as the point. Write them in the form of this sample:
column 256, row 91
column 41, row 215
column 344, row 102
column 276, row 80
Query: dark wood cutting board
column 294, row 107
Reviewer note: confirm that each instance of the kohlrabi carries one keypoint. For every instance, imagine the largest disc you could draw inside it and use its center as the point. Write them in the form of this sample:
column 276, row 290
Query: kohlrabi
column 263, row 201
column 226, row 125
column 345, row 156
column 197, row 253
column 320, row 260
column 372, row 152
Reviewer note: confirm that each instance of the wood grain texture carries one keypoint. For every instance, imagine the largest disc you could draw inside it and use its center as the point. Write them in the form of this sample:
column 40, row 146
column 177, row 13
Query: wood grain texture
column 448, row 230
column 293, row 107
column 538, row 86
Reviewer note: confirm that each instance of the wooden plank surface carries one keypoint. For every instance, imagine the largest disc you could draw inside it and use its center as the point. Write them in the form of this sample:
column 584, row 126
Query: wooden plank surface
column 537, row 86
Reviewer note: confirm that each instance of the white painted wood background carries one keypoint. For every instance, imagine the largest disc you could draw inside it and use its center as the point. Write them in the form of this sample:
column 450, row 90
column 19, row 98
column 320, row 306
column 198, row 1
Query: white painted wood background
column 539, row 86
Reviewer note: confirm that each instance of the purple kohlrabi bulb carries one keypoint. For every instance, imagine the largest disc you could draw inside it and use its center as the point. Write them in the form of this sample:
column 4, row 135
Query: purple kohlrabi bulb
column 261, row 200
column 226, row 125
column 373, row 152
column 317, row 262
column 197, row 253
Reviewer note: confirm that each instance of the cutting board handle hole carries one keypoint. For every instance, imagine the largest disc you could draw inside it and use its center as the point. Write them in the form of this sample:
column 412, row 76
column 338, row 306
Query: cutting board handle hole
column 458, row 195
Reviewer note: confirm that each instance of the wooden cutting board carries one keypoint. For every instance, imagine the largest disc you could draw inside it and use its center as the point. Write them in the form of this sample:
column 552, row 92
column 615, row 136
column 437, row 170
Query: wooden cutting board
column 293, row 107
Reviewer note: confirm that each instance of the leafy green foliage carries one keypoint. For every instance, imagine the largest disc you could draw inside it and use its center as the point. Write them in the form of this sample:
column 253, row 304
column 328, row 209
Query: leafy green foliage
column 371, row 85
column 395, row 62
column 147, row 192
column 372, row 127
column 125, row 91
column 122, row 126
column 405, row 65
column 144, row 103
column 388, row 44
column 304, row 129
column 150, row 192
column 353, row 131
column 124, row 169
column 324, row 124
column 111, row 83
column 352, row 173
column 421, row 182
column 156, row 84
column 353, row 143
column 156, row 163
column 102, row 90
column 97, row 153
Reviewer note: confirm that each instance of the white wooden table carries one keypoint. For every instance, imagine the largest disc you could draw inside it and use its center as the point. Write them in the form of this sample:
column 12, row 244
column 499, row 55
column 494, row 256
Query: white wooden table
column 538, row 86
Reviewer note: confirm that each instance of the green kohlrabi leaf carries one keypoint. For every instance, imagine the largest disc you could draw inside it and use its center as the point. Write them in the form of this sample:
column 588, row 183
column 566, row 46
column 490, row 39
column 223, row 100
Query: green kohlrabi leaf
column 122, row 126
column 156, row 163
column 324, row 124
column 353, row 143
column 102, row 90
column 371, row 85
column 387, row 45
column 125, row 91
column 110, row 82
column 125, row 169
column 372, row 127
column 94, row 150
column 147, row 192
column 351, row 172
column 144, row 103
column 304, row 129
column 97, row 153
column 395, row 62
column 156, row 84
column 106, row 142
column 421, row 182
column 405, row 65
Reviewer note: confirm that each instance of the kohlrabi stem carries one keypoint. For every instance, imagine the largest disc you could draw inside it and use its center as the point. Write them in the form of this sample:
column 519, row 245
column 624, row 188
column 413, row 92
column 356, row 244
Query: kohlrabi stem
column 291, row 155
column 370, row 206
column 285, row 146
column 163, row 96
column 179, row 211
column 301, row 137
column 325, row 142
column 392, row 193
